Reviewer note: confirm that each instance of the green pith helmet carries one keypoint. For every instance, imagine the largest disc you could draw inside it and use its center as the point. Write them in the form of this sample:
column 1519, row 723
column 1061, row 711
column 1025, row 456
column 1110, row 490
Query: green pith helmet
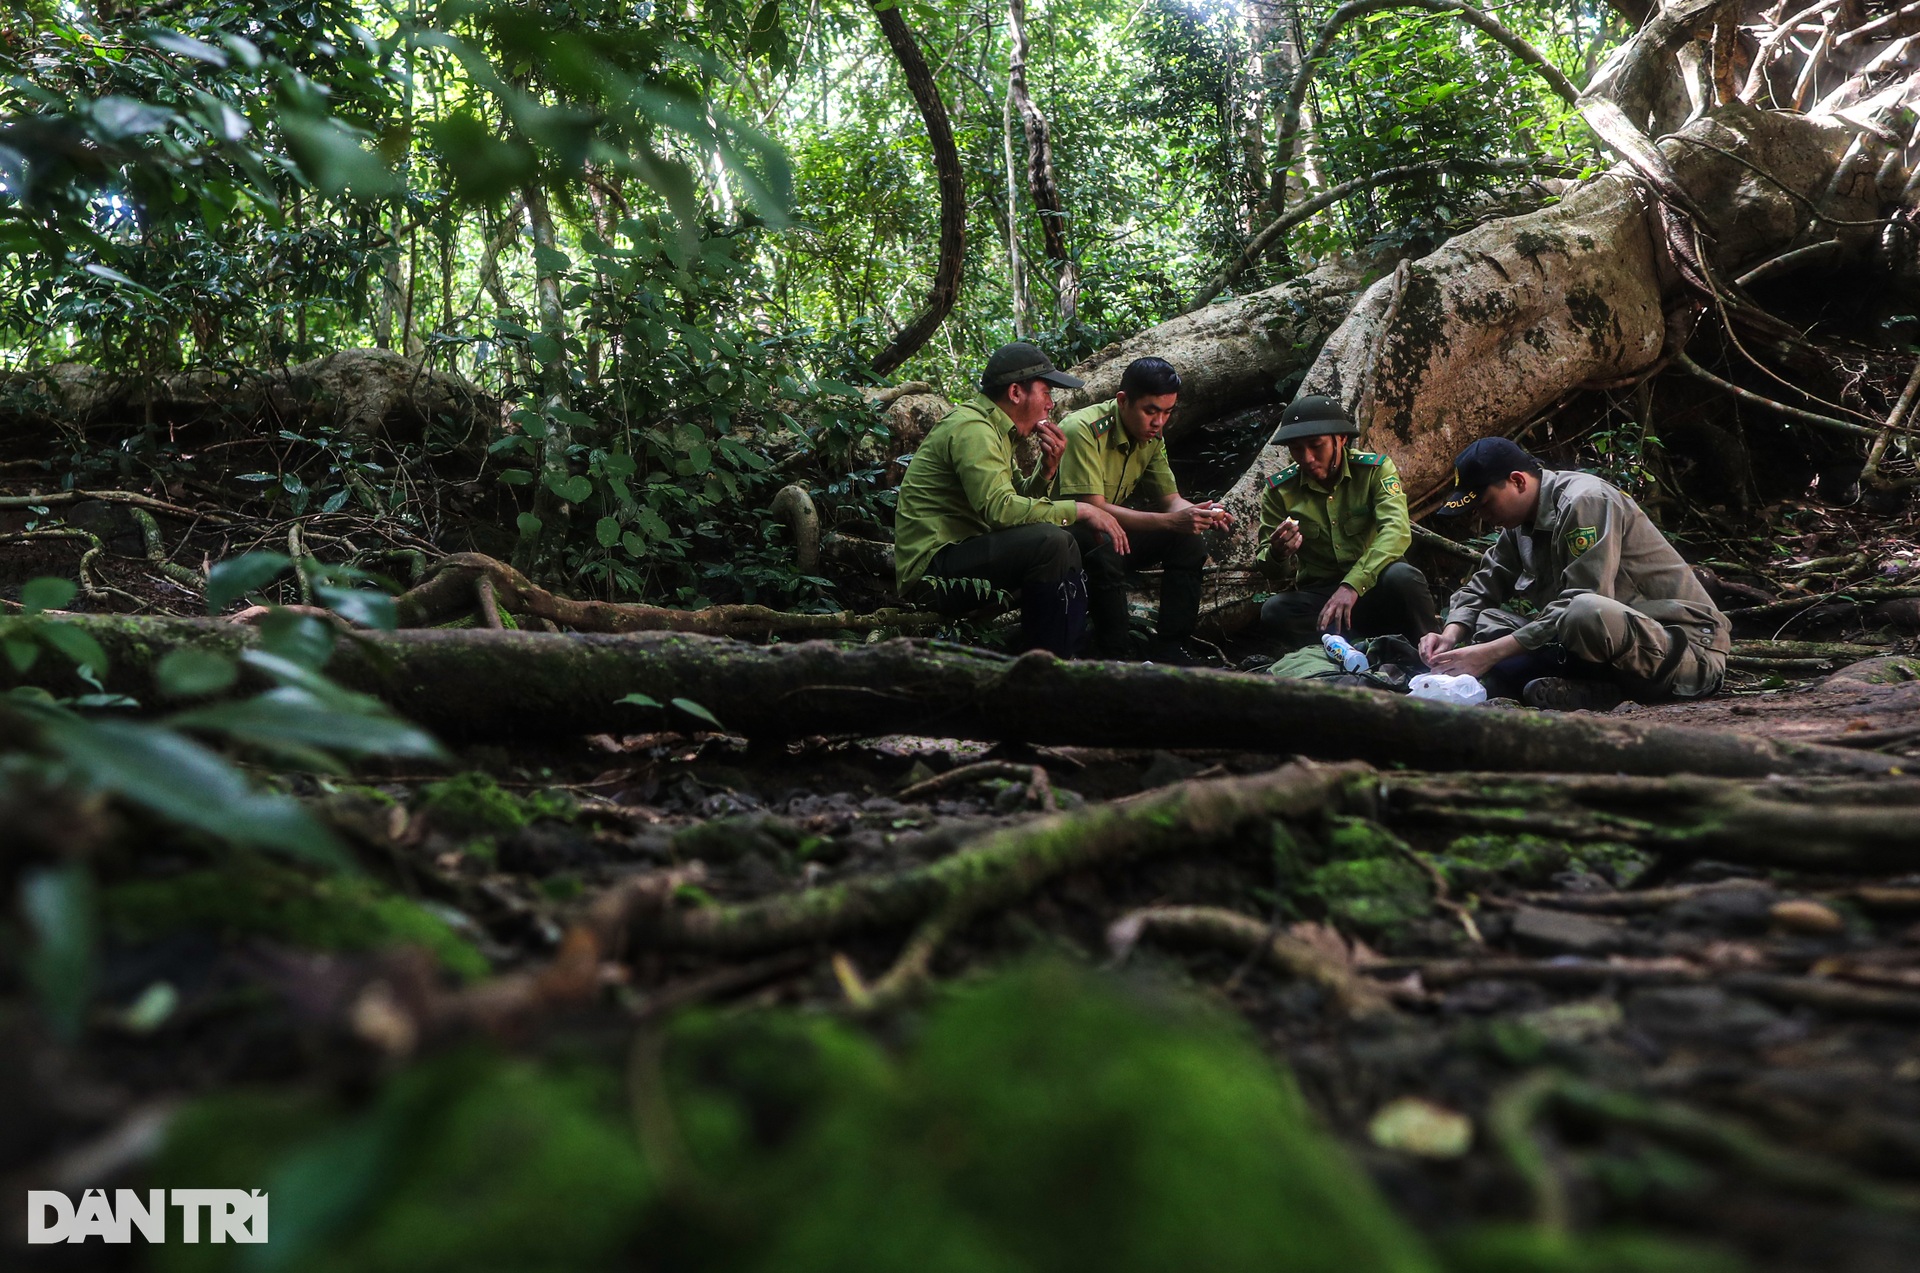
column 1311, row 415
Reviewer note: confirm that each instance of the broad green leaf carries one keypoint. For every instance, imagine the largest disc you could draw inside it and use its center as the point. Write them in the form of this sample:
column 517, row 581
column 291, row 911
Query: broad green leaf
column 292, row 716
column 634, row 544
column 529, row 525
column 576, row 489
column 123, row 117
column 186, row 46
column 300, row 639
column 39, row 595
column 57, row 903
column 77, row 644
column 233, row 579
column 640, row 700
column 175, row 777
column 189, row 671
column 363, row 606
column 694, row 709
column 515, row 477
column 20, row 653
column 115, row 276
column 546, row 350
column 607, row 531
column 335, row 159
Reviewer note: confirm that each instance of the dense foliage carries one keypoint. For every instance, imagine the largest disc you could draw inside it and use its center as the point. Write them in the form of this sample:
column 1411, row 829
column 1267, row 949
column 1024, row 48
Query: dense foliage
column 669, row 237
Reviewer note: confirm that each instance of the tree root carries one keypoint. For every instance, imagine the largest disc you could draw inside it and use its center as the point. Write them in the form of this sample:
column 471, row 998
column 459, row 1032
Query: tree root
column 157, row 553
column 450, row 591
column 1353, row 994
column 133, row 498
column 1843, row 827
column 541, row 685
column 1039, row 785
column 1000, row 868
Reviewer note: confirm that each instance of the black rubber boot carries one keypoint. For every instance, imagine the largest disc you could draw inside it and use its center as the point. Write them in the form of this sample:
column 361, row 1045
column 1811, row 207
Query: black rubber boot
column 1565, row 694
column 1054, row 615
column 1179, row 603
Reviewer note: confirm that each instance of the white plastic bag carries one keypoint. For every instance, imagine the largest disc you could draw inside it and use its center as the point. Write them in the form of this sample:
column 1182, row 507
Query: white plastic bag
column 1441, row 688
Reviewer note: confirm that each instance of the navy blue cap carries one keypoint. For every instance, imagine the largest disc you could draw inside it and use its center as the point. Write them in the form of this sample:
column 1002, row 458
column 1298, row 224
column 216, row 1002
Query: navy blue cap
column 1487, row 461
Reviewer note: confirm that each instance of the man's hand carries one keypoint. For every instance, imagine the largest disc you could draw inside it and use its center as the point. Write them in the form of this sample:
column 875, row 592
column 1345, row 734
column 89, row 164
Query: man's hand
column 1436, row 643
column 1219, row 518
column 1475, row 660
column 1287, row 538
column 1337, row 614
column 1053, row 444
column 1103, row 522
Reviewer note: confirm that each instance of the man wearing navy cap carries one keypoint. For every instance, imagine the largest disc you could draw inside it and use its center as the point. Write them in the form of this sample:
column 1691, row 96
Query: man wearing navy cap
column 1581, row 601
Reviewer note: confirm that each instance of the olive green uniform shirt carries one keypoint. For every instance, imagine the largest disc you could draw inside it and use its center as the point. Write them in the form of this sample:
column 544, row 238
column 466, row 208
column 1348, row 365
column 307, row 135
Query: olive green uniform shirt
column 1587, row 536
column 1351, row 530
column 1103, row 459
column 962, row 483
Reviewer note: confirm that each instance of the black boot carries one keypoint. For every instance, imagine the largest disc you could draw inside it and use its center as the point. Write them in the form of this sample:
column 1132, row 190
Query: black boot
column 1179, row 603
column 1053, row 615
column 1565, row 694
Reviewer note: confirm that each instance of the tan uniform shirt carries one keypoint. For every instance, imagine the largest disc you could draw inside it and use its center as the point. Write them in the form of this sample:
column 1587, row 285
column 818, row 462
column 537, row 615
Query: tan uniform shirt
column 1587, row 536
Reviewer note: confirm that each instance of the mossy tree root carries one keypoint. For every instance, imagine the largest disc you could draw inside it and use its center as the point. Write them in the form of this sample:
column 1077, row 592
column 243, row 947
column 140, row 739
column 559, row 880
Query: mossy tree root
column 1001, row 867
column 474, row 684
column 449, row 594
column 1352, row 994
column 1809, row 825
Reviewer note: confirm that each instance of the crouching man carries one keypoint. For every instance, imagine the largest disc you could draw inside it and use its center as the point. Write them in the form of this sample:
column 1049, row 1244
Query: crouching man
column 1116, row 456
column 1581, row 601
column 968, row 521
column 1341, row 516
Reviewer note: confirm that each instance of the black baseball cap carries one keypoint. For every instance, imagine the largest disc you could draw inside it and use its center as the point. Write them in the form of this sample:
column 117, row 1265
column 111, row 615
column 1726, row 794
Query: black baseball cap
column 1313, row 415
column 1020, row 362
column 1487, row 461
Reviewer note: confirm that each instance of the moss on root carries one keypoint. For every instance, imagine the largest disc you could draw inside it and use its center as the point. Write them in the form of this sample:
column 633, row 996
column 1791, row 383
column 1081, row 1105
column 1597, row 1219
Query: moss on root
column 474, row 804
column 258, row 898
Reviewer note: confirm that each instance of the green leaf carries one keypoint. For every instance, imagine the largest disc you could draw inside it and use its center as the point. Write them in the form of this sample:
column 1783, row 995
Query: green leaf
column 119, row 118
column 640, row 700
column 289, row 716
column 577, row 489
column 177, row 778
column 529, row 525
column 515, row 477
column 300, row 639
column 57, row 903
column 38, row 595
column 185, row 46
column 191, row 671
column 694, row 709
column 115, row 276
column 363, row 606
column 20, row 653
column 635, row 546
column 335, row 159
column 78, row 645
column 607, row 531
column 546, row 350
column 233, row 579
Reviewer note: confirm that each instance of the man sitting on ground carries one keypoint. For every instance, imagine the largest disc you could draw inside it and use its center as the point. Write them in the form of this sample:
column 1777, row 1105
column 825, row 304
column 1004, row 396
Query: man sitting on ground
column 1342, row 516
column 1581, row 600
column 1116, row 459
column 968, row 521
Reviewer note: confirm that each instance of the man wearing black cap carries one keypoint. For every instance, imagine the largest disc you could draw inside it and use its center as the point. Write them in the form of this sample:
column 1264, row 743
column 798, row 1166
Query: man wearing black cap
column 1581, row 601
column 967, row 517
column 1342, row 515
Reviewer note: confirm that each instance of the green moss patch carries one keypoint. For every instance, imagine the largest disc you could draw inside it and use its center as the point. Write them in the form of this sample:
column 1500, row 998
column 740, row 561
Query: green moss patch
column 259, row 898
column 474, row 804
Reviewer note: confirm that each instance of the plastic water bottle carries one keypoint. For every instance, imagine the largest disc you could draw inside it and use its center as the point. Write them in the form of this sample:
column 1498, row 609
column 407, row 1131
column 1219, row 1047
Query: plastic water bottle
column 1348, row 657
column 1441, row 688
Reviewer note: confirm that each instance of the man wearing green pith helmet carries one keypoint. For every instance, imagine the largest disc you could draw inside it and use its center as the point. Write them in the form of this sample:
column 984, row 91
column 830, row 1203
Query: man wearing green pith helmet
column 1338, row 518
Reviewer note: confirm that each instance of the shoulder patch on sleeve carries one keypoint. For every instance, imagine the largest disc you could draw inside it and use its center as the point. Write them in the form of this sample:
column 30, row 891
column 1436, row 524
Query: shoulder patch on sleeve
column 1365, row 457
column 1390, row 484
column 1099, row 427
column 1284, row 475
column 1581, row 538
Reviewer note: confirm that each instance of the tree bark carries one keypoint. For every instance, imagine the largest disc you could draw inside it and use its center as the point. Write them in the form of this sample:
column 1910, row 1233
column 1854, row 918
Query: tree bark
column 555, row 386
column 953, row 191
column 1040, row 177
column 473, row 684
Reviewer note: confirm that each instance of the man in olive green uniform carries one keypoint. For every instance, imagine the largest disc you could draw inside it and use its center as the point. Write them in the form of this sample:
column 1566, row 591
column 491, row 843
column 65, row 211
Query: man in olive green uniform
column 1581, row 600
column 1341, row 516
column 968, row 521
column 1116, row 459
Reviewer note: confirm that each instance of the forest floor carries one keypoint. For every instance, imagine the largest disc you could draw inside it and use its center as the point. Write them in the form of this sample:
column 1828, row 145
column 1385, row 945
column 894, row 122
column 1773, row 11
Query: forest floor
column 1585, row 1028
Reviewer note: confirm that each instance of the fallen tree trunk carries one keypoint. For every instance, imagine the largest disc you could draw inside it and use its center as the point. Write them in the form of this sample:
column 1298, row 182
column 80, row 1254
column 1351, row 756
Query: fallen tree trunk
column 480, row 684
